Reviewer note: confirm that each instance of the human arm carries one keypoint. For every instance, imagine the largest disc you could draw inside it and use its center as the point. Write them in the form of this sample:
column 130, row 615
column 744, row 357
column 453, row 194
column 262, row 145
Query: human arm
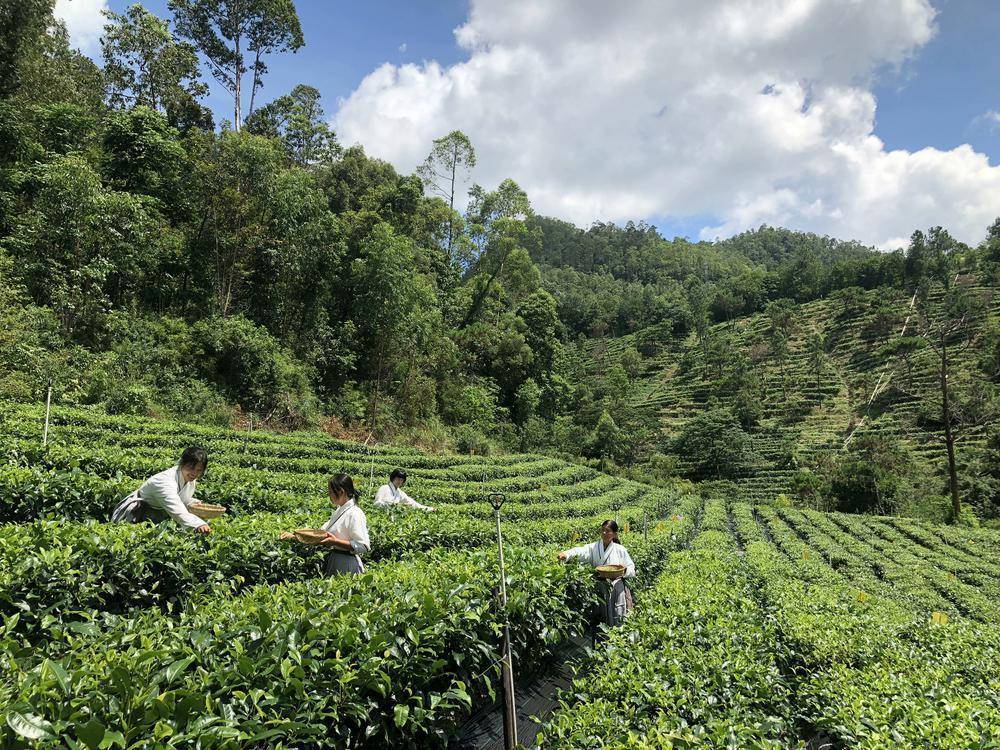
column 162, row 492
column 576, row 553
column 629, row 565
column 408, row 501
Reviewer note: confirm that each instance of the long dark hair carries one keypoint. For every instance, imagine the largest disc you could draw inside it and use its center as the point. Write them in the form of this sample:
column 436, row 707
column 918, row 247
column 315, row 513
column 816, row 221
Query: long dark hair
column 613, row 525
column 342, row 483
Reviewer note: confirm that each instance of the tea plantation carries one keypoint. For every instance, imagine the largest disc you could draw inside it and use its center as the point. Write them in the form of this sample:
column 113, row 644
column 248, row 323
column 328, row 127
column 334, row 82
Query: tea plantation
column 754, row 626
column 820, row 375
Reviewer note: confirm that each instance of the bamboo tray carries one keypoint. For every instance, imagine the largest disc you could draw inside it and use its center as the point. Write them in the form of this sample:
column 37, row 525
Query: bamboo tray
column 207, row 511
column 304, row 536
column 610, row 572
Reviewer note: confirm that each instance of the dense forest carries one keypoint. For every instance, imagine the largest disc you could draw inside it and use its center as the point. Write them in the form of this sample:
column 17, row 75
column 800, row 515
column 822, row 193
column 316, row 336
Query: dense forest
column 158, row 258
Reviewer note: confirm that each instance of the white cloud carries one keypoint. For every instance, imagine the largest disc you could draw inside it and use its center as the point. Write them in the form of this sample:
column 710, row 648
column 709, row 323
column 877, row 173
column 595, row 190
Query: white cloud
column 84, row 21
column 991, row 119
column 748, row 110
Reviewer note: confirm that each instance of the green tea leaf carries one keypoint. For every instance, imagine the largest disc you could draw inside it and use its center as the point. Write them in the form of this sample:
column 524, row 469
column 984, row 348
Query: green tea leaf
column 400, row 715
column 91, row 733
column 56, row 670
column 30, row 726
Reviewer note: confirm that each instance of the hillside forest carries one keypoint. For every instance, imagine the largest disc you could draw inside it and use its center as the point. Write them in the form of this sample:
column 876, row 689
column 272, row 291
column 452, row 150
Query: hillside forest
column 246, row 268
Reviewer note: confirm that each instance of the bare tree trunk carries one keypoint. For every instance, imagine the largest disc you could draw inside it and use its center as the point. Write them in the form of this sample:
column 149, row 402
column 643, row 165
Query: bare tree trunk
column 256, row 82
column 451, row 199
column 949, row 437
column 238, row 83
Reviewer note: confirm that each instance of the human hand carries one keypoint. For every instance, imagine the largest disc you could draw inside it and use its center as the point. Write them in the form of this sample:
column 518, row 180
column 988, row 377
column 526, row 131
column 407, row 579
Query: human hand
column 204, row 529
column 561, row 556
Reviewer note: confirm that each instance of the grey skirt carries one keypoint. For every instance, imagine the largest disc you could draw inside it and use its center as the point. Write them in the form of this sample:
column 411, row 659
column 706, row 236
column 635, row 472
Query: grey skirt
column 343, row 563
column 617, row 602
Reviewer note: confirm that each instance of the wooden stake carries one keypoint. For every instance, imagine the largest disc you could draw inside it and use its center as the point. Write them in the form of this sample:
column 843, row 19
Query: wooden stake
column 507, row 669
column 48, row 408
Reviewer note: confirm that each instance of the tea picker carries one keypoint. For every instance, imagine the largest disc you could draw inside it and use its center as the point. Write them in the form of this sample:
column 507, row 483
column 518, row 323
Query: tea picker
column 613, row 565
column 507, row 669
column 392, row 496
column 169, row 495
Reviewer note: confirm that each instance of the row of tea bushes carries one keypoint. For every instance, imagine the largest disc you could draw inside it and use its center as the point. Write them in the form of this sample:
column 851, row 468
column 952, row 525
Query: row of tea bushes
column 389, row 658
column 696, row 666
column 873, row 671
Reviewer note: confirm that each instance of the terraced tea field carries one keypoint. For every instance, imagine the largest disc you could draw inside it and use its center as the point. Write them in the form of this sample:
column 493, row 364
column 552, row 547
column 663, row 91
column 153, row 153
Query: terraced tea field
column 859, row 389
column 753, row 626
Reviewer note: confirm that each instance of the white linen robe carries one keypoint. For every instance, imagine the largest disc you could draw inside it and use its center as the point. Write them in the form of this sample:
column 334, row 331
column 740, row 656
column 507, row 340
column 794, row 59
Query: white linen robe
column 391, row 496
column 349, row 522
column 618, row 598
column 596, row 554
column 167, row 492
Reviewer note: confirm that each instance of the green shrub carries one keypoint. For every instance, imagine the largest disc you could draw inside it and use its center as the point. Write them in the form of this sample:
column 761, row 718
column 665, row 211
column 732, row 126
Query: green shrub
column 470, row 441
column 715, row 446
column 253, row 370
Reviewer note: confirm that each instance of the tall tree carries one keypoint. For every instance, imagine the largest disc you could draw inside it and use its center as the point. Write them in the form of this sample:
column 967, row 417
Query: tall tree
column 497, row 225
column 386, row 296
column 23, row 23
column 145, row 65
column 949, row 329
column 227, row 32
column 237, row 180
column 989, row 252
column 816, row 348
column 65, row 252
column 298, row 121
column 450, row 161
column 49, row 71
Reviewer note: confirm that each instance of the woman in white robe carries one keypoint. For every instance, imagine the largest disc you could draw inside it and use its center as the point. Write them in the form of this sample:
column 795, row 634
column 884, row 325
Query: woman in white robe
column 608, row 550
column 168, row 495
column 392, row 496
column 347, row 529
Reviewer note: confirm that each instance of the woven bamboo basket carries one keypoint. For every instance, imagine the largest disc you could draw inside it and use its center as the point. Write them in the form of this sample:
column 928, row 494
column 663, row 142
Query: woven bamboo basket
column 304, row 536
column 610, row 572
column 207, row 511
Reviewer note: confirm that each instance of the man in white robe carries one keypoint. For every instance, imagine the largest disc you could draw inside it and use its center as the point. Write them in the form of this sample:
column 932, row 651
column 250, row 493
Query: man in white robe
column 168, row 495
column 392, row 496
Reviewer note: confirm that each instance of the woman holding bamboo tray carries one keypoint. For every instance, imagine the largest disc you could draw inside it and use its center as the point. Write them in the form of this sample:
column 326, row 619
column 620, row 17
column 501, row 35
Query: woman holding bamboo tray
column 613, row 564
column 347, row 529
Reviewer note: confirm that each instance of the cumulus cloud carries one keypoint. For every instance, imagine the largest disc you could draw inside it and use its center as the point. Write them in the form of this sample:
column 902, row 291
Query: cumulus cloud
column 84, row 21
column 747, row 110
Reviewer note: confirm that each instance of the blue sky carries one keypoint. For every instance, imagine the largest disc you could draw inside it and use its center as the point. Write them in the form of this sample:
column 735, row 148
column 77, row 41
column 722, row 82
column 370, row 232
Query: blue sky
column 935, row 91
column 937, row 97
column 346, row 40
